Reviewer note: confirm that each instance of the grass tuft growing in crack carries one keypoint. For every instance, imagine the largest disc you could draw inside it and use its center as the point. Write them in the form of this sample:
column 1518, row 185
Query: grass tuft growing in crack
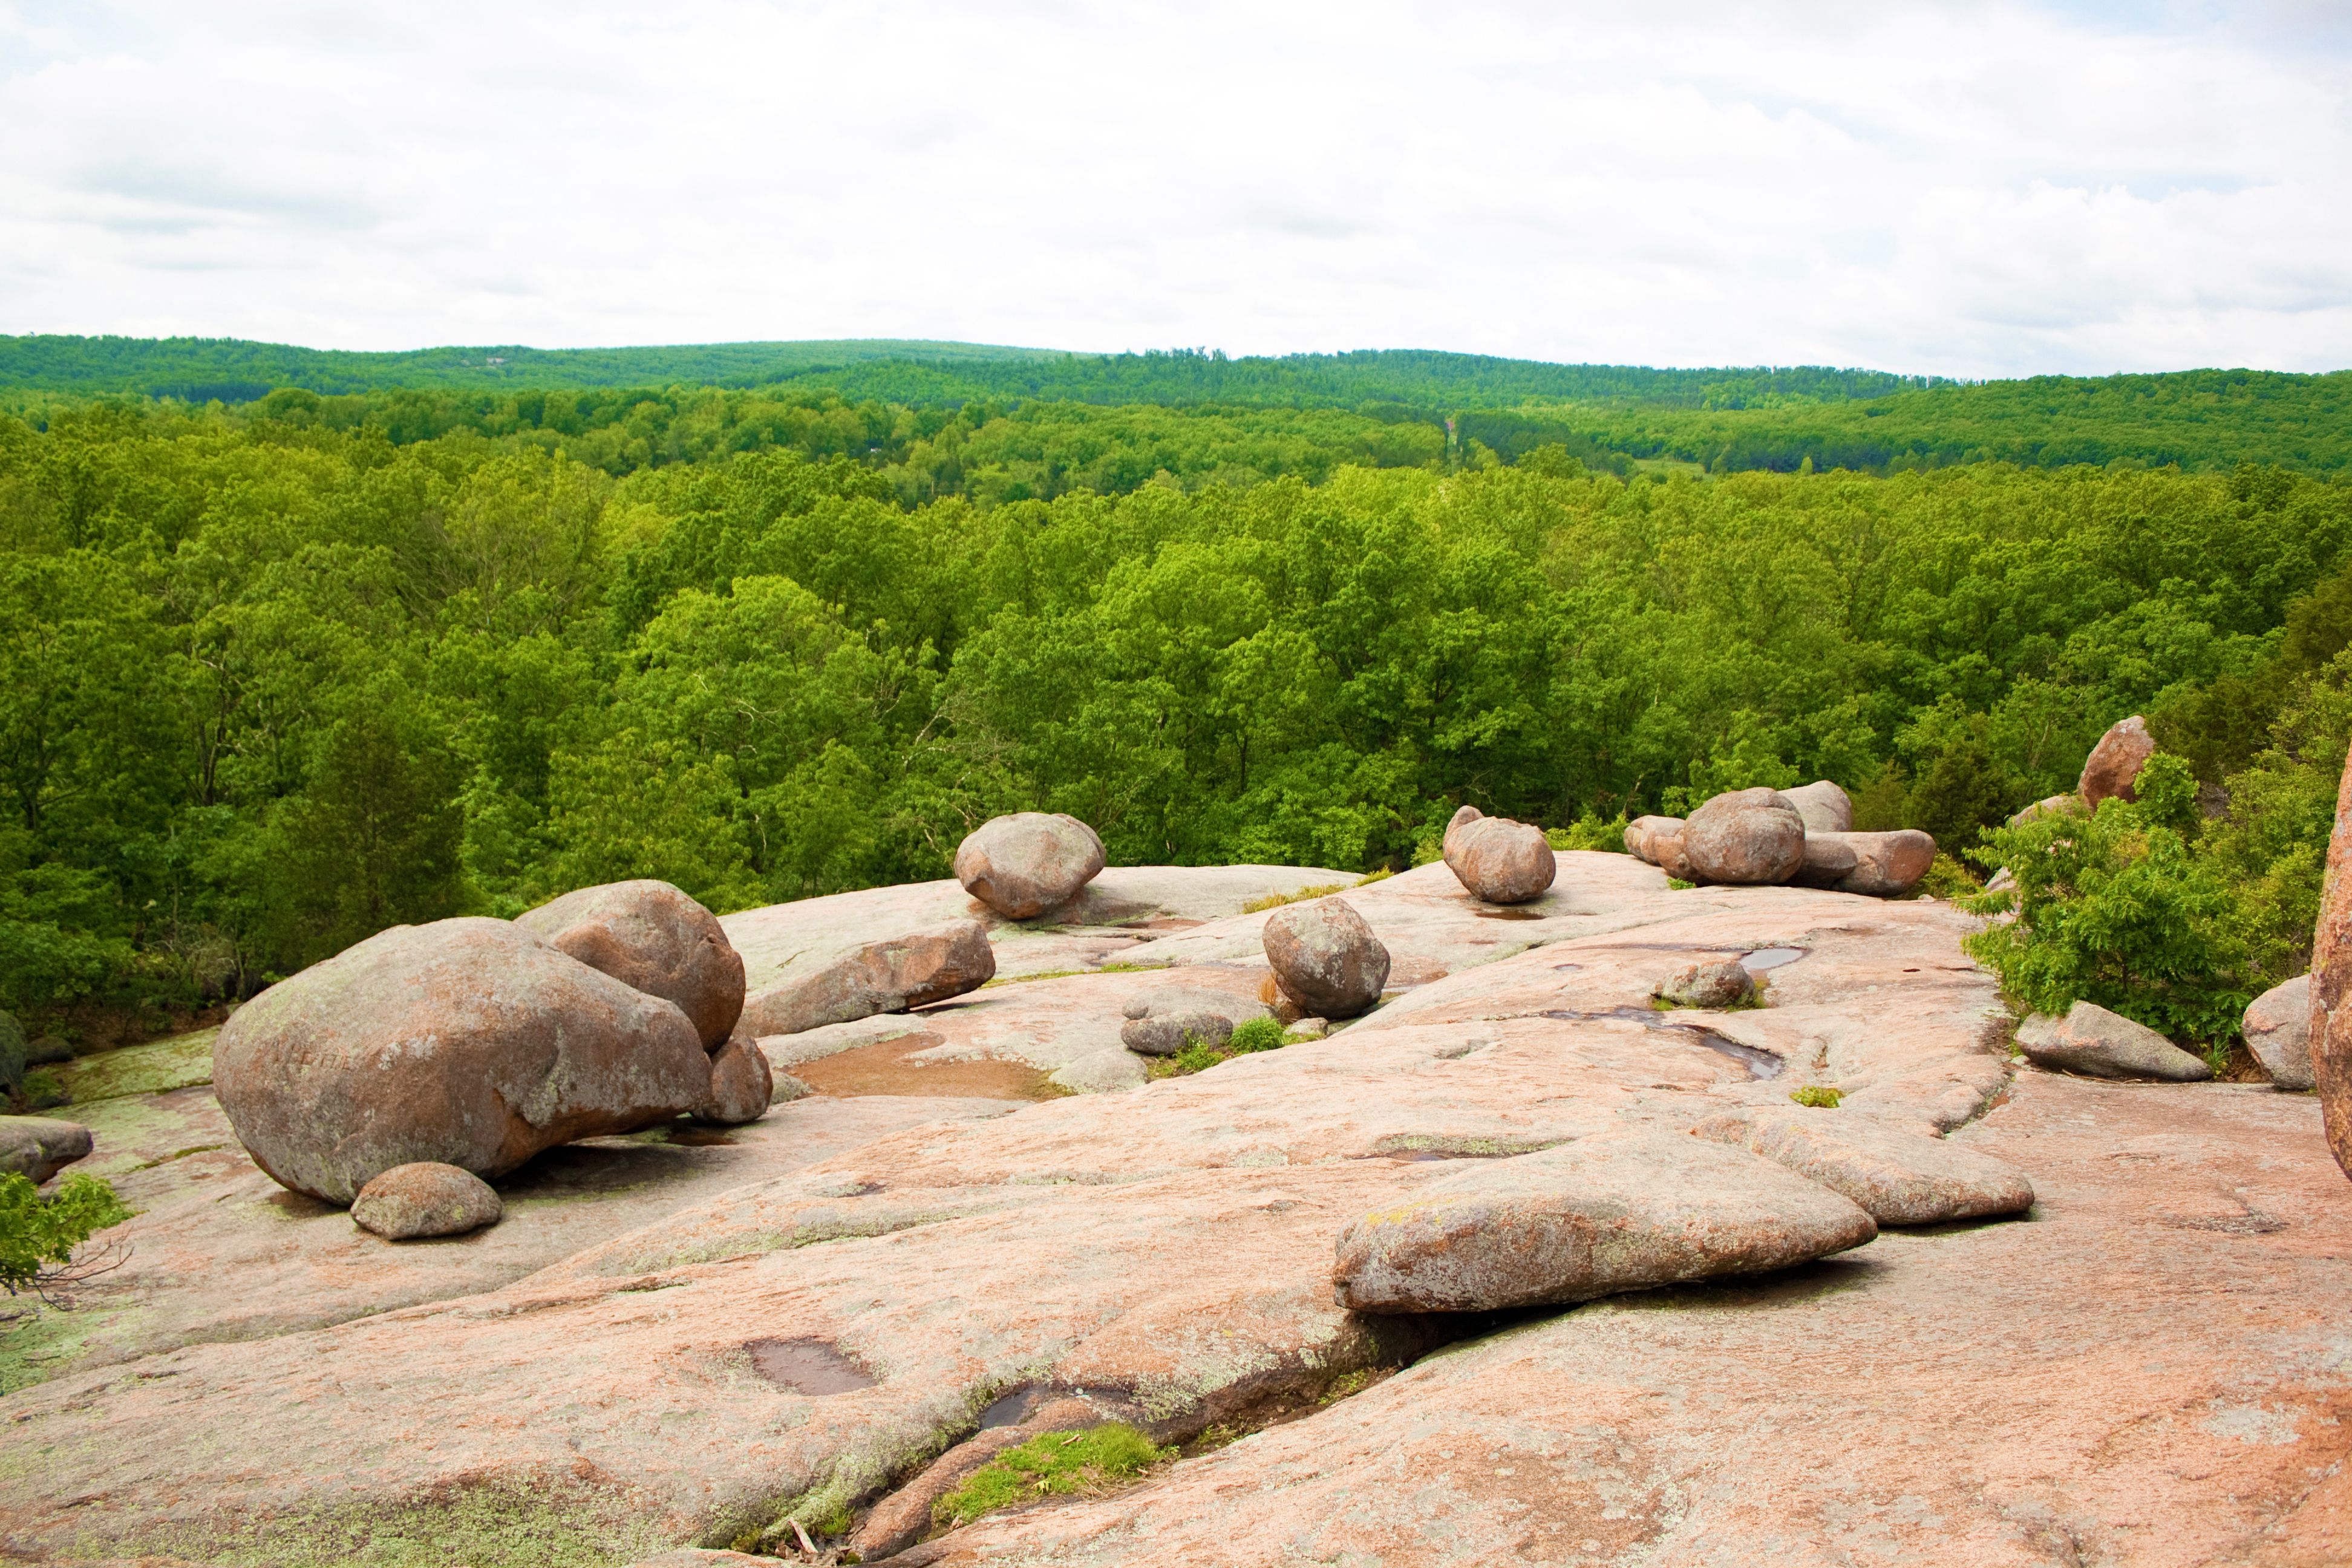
column 1059, row 1464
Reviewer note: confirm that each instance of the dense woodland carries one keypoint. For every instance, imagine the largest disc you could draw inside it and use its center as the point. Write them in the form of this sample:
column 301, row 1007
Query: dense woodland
column 275, row 676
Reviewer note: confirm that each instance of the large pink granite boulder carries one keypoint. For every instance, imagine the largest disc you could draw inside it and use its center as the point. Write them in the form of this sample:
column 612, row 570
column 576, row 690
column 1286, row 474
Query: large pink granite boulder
column 2112, row 770
column 1031, row 861
column 1325, row 958
column 1748, row 836
column 650, row 936
column 1499, row 860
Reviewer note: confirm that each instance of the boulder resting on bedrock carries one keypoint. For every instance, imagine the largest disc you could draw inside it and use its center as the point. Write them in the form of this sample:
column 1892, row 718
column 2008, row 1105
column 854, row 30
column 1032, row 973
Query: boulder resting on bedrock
column 653, row 937
column 1029, row 862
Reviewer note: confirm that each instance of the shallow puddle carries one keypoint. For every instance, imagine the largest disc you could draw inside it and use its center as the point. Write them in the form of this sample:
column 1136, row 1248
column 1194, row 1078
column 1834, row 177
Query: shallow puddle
column 882, row 1068
column 1765, row 958
column 1510, row 914
column 810, row 1366
column 1759, row 1063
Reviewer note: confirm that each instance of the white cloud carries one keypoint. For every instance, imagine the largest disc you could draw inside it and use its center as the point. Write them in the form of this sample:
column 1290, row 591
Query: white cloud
column 1966, row 189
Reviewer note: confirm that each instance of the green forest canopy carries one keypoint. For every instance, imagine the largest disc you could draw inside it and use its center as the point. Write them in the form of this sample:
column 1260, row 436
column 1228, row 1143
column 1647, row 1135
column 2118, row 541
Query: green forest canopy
column 276, row 674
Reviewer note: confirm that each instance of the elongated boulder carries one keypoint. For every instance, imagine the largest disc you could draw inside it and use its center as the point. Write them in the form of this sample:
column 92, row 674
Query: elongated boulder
column 1747, row 836
column 1884, row 865
column 1898, row 1177
column 1031, row 861
column 1824, row 808
column 2331, row 986
column 887, row 976
column 651, row 936
column 41, row 1146
column 741, row 1084
column 411, row 1203
column 1644, row 833
column 2112, row 770
column 2092, row 1040
column 1499, row 860
column 1164, row 1034
column 2277, row 1027
column 1593, row 1218
column 469, row 1042
column 1326, row 960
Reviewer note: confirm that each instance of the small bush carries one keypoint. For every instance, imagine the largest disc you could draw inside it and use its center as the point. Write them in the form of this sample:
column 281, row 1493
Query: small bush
column 1256, row 1034
column 1054, row 1464
column 1590, row 832
column 1276, row 900
column 1818, row 1095
column 44, row 1090
column 1676, row 884
column 38, row 1234
column 1947, row 878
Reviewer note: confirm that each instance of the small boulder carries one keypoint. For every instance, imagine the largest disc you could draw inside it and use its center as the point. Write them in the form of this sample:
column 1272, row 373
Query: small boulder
column 1643, row 834
column 1326, row 960
column 1106, row 1071
column 1747, row 836
column 888, row 977
column 1722, row 984
column 427, row 1198
column 1310, row 1029
column 2278, row 1031
column 1824, row 808
column 1585, row 1219
column 2048, row 806
column 1165, row 1034
column 2113, row 766
column 1499, row 860
column 1883, row 865
column 1031, row 861
column 742, row 1084
column 468, row 1042
column 40, row 1146
column 2093, row 1041
column 1898, row 1177
column 651, row 936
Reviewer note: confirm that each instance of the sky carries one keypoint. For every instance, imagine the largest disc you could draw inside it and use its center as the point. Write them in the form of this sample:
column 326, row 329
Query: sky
column 1980, row 189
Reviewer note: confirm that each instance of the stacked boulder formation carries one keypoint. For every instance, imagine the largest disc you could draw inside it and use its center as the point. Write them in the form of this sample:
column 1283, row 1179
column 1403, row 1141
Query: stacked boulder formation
column 464, row 1048
column 1753, row 837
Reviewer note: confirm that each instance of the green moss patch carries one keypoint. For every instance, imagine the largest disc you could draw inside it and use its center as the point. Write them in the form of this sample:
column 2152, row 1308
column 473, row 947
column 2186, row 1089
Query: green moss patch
column 175, row 1063
column 1819, row 1095
column 1059, row 1464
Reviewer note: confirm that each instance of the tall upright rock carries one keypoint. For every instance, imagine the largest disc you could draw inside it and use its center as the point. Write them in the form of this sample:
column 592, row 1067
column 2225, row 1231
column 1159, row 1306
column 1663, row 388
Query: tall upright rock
column 2331, row 987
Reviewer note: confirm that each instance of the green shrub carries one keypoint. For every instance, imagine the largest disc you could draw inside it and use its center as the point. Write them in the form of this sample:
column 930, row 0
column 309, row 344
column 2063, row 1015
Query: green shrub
column 1947, row 878
column 1590, row 832
column 1256, row 1034
column 1054, row 1464
column 1818, row 1095
column 38, row 1234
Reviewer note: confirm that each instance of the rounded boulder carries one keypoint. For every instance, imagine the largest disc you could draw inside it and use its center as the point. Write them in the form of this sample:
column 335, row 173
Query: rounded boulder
column 650, row 936
column 2112, row 770
column 742, row 1084
column 413, row 1202
column 1747, row 836
column 1499, row 860
column 465, row 1042
column 1031, row 861
column 1326, row 959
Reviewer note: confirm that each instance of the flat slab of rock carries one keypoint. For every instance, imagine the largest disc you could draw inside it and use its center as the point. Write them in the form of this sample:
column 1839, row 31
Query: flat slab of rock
column 2091, row 1040
column 1898, row 1177
column 469, row 1042
column 411, row 1203
column 653, row 937
column 41, row 1146
column 1589, row 1218
column 889, row 975
column 2278, row 1031
column 1023, row 865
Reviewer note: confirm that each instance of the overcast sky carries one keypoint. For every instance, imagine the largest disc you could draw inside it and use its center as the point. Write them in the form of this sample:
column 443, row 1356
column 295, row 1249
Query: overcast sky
column 1971, row 189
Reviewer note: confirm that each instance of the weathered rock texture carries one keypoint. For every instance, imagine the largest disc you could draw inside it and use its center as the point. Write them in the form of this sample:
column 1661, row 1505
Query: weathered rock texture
column 2091, row 1040
column 1882, row 865
column 2112, row 770
column 1589, row 1218
column 2278, row 1031
column 650, row 936
column 410, row 1203
column 891, row 975
column 1898, row 1177
column 40, row 1146
column 1499, row 860
column 1746, row 837
column 2331, row 986
column 469, row 1042
column 742, row 1083
column 1726, row 983
column 1023, row 864
column 1325, row 958
column 1644, row 836
column 1165, row 1034
column 1824, row 807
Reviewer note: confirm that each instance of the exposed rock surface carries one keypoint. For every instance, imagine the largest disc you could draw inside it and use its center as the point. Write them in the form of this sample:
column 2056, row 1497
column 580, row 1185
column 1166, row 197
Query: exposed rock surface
column 1592, row 1217
column 2113, row 767
column 2048, row 806
column 2331, row 986
column 40, row 1146
column 891, row 975
column 1325, row 958
column 1725, row 982
column 1165, row 1034
column 650, row 936
column 1881, row 865
column 2091, row 1040
column 1023, row 864
column 741, row 1084
column 469, row 1042
column 1899, row 1178
column 1824, row 807
column 1499, row 860
column 2278, row 1031
column 410, row 1203
column 1644, row 836
column 1747, row 837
